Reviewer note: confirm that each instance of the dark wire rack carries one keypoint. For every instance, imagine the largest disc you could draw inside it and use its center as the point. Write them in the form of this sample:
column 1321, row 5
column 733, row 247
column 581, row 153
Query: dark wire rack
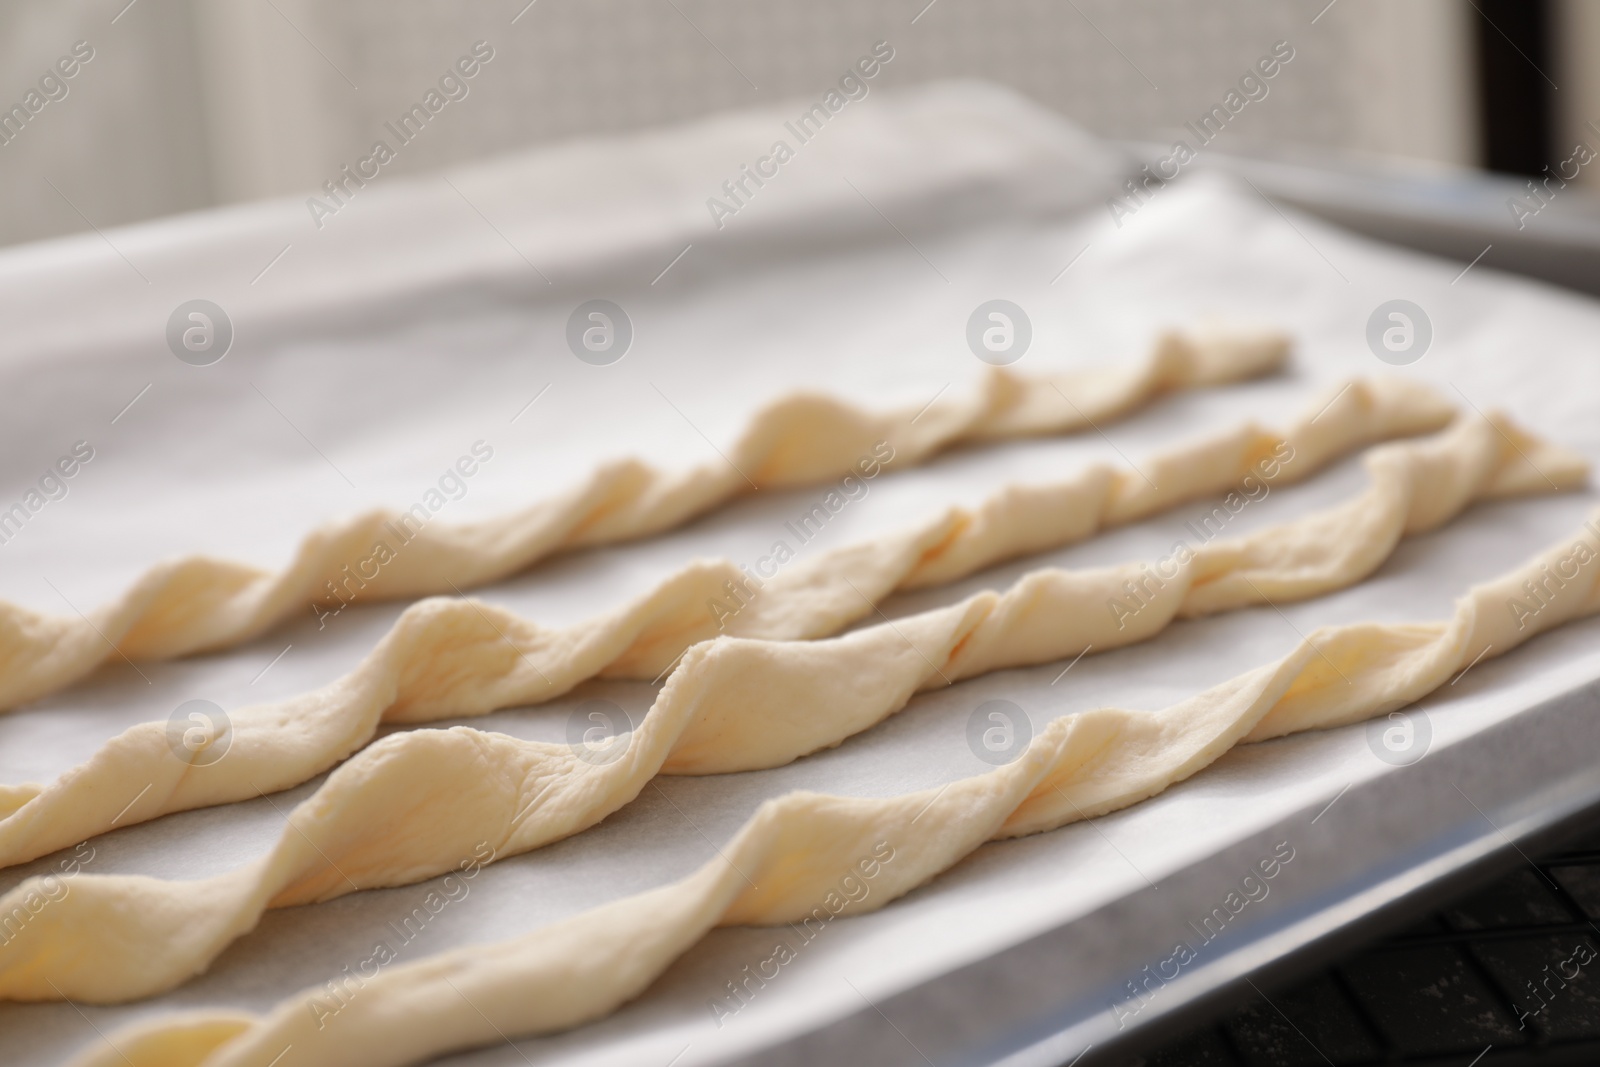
column 1508, row 975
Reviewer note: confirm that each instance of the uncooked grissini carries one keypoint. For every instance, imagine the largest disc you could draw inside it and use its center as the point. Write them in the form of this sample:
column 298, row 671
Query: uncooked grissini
column 414, row 804
column 451, row 657
column 786, row 861
column 196, row 603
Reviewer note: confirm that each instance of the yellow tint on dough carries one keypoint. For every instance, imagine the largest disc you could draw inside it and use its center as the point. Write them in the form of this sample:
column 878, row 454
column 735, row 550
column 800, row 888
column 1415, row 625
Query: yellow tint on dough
column 416, row 804
column 198, row 603
column 786, row 862
column 454, row 658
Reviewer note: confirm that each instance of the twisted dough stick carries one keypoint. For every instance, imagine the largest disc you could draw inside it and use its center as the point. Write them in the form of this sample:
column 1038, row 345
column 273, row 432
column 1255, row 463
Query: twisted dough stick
column 448, row 658
column 196, row 603
column 784, row 864
column 411, row 805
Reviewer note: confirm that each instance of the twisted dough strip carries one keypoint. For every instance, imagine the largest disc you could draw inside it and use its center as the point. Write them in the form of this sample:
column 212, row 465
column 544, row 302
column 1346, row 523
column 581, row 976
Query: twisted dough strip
column 784, row 864
column 196, row 603
column 452, row 657
column 413, row 804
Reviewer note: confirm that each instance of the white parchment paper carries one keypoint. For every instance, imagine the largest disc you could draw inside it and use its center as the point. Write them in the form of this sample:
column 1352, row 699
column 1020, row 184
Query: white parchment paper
column 424, row 319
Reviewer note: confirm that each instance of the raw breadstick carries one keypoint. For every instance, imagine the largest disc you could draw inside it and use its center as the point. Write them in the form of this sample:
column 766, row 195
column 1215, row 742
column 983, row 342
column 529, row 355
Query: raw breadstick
column 196, row 603
column 453, row 658
column 785, row 862
column 413, row 804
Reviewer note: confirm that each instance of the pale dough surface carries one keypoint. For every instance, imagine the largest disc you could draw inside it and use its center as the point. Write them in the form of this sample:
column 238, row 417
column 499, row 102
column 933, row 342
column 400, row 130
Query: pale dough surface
column 785, row 861
column 413, row 805
column 197, row 603
column 451, row 658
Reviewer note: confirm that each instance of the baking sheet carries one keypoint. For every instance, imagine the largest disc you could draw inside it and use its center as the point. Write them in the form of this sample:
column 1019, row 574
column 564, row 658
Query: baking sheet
column 368, row 359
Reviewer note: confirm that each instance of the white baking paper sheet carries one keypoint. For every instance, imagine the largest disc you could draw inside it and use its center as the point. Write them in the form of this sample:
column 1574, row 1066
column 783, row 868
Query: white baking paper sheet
column 378, row 349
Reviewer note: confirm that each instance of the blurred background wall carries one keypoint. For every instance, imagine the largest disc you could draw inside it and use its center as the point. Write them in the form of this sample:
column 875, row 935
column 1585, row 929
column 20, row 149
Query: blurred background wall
column 191, row 103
